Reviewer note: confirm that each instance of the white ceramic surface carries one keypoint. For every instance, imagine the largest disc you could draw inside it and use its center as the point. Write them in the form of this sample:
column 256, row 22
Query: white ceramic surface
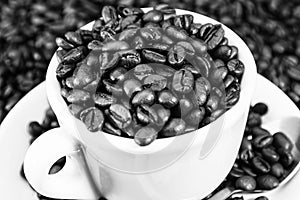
column 14, row 140
column 185, row 165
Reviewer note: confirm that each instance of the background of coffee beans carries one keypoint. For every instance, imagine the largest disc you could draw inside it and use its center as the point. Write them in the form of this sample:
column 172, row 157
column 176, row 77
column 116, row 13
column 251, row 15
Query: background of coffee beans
column 28, row 29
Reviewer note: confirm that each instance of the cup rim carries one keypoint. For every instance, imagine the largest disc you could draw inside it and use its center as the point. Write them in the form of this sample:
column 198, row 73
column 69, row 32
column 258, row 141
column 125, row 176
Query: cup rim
column 247, row 83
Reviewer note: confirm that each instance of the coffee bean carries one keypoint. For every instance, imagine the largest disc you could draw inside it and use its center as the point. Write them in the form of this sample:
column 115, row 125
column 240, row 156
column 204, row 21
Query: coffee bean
column 246, row 155
column 109, row 13
column 286, row 157
column 143, row 70
column 78, row 96
column 267, row 182
column 154, row 16
column 176, row 56
column 174, row 127
column 138, row 43
column 104, row 100
column 126, row 11
column 143, row 97
column 236, row 172
column 83, row 75
column 115, row 46
column 248, row 170
column 93, row 119
column 183, row 81
column 236, row 67
column 262, row 141
column 246, row 144
column 202, row 89
column 63, row 44
column 163, row 116
column 146, row 114
column 258, row 131
column 152, row 56
column 115, row 89
column 95, row 45
column 223, row 52
column 176, row 33
column 75, row 109
column 64, row 70
column 74, row 38
column 120, row 116
column 131, row 86
column 145, row 136
column 163, row 70
column 277, row 170
column 187, row 46
column 129, row 58
column 155, row 82
column 203, row 64
column 246, row 183
column 74, row 55
column 214, row 37
column 282, row 141
column 127, row 34
column 185, row 106
column 261, row 165
column 270, row 155
column 108, row 128
column 35, row 129
column 196, row 116
column 130, row 20
column 118, row 74
column 212, row 103
column 167, row 99
column 151, row 34
column 253, row 120
column 199, row 46
column 218, row 75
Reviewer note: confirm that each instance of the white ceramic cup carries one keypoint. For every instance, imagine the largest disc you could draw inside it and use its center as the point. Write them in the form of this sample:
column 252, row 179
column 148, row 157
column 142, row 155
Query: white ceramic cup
column 189, row 166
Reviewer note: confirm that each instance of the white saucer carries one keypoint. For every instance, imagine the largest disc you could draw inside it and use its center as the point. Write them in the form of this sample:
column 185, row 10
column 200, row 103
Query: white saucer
column 14, row 140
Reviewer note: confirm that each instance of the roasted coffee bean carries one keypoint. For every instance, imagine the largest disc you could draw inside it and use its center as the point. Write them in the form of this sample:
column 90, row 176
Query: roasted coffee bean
column 161, row 46
column 60, row 54
column 253, row 120
column 236, row 67
column 218, row 75
column 108, row 128
column 194, row 29
column 104, row 100
column 64, row 70
column 183, row 81
column 163, row 116
column 178, row 21
column 187, row 46
column 212, row 103
column 145, row 136
column 151, row 34
column 92, row 58
column 196, row 116
column 109, row 13
column 126, row 11
column 154, row 16
column 152, row 56
column 203, row 64
column 163, row 70
column 138, row 43
column 282, row 141
column 146, row 114
column 185, row 106
column 246, row 144
column 35, row 129
column 115, row 89
column 93, row 119
column 70, row 82
column 199, row 46
column 83, row 75
column 223, row 52
column 95, row 45
column 143, row 70
column 120, row 116
column 277, row 170
column 118, row 74
column 127, row 34
column 143, row 97
column 262, row 141
column 246, row 183
column 246, row 155
column 155, row 82
column 92, row 86
column 213, row 37
column 78, row 96
column 74, row 55
column 129, row 21
column 174, row 127
column 176, row 33
column 217, row 113
column 258, row 131
column 236, row 172
column 248, row 169
column 260, row 165
column 75, row 109
column 202, row 89
column 177, row 55
column 286, row 157
column 164, row 8
column 63, row 43
column 131, row 86
column 187, row 21
column 129, row 58
column 267, row 182
column 167, row 99
column 115, row 46
column 166, row 40
column 74, row 38
column 270, row 155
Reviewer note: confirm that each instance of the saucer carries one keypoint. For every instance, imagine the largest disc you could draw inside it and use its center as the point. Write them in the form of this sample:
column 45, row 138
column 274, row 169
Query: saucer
column 14, row 139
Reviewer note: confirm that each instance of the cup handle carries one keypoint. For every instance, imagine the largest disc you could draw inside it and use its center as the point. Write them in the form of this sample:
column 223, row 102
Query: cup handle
column 73, row 181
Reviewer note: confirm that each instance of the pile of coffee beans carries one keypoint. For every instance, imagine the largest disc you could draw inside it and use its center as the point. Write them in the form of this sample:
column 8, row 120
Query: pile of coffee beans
column 148, row 75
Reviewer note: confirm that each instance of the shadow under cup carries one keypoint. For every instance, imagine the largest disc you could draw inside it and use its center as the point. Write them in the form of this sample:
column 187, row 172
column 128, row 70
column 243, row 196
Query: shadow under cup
column 182, row 167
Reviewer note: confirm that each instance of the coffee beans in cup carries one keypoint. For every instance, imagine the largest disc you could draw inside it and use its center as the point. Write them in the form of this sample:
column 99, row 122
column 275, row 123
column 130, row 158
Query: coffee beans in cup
column 148, row 75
